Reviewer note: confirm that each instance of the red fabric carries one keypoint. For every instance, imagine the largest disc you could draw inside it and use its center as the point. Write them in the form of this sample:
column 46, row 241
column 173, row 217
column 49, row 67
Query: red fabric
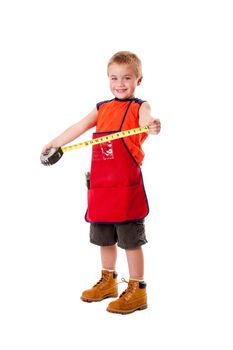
column 116, row 191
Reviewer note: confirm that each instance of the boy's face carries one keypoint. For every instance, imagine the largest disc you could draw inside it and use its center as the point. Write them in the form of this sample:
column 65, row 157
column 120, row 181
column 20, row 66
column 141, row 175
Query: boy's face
column 123, row 80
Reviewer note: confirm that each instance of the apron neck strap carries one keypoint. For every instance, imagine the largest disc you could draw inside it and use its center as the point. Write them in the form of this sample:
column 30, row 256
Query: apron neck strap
column 126, row 111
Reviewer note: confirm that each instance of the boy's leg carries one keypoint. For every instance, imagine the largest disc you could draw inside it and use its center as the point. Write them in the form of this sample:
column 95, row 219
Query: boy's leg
column 135, row 259
column 106, row 287
column 131, row 237
column 108, row 257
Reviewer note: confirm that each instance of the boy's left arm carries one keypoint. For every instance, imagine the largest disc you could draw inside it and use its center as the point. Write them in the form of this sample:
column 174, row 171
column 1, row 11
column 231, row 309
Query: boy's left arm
column 145, row 118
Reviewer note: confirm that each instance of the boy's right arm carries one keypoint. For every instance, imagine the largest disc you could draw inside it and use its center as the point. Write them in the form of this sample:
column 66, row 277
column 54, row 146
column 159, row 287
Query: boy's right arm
column 74, row 131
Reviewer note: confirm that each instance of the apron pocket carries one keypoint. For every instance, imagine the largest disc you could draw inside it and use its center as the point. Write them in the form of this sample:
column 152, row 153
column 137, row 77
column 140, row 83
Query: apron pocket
column 117, row 204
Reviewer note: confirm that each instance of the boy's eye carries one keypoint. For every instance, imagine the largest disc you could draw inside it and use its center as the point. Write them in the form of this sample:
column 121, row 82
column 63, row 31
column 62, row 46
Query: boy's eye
column 113, row 78
column 127, row 78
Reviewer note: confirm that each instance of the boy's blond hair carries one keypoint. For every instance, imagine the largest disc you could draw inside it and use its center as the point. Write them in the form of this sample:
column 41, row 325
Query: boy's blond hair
column 129, row 58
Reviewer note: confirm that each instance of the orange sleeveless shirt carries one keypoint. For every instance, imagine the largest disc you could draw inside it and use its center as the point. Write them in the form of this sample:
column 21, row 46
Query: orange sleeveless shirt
column 110, row 117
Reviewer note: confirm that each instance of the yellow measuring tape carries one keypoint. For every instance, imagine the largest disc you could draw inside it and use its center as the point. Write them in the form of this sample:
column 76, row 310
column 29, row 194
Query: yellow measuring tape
column 52, row 155
column 109, row 137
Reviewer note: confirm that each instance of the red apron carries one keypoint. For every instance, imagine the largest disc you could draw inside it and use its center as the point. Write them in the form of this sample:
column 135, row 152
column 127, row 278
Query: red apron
column 116, row 191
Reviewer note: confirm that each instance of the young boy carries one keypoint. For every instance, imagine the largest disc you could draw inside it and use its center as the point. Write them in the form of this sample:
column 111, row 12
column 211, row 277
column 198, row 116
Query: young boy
column 117, row 203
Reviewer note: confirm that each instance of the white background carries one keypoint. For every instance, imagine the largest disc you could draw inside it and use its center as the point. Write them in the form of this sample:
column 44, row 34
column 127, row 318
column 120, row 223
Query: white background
column 52, row 73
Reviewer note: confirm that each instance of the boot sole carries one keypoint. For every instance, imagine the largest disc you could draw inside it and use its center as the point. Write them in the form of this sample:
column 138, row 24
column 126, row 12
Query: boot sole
column 126, row 312
column 89, row 300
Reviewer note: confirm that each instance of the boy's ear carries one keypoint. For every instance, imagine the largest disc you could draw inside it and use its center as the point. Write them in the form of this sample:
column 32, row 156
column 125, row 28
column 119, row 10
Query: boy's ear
column 139, row 80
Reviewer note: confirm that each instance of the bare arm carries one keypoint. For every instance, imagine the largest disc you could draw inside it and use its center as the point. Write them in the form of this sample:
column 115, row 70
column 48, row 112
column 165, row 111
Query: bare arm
column 73, row 131
column 145, row 118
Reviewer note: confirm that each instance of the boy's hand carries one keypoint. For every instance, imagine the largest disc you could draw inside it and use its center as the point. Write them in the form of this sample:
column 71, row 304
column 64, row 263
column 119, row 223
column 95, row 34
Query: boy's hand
column 145, row 118
column 46, row 147
column 155, row 126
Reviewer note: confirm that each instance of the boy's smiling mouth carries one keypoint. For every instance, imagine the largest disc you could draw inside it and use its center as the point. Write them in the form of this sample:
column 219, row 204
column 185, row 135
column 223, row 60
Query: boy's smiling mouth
column 121, row 90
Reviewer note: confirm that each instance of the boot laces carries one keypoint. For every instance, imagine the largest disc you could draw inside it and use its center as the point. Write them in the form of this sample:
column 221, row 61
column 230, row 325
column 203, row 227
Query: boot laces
column 103, row 279
column 129, row 290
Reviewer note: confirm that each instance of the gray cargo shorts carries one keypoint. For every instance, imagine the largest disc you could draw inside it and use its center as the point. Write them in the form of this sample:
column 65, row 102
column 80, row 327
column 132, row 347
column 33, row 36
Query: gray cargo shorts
column 127, row 235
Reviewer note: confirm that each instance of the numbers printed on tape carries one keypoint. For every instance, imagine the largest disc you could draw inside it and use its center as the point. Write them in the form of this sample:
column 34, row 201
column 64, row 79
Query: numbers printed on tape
column 109, row 137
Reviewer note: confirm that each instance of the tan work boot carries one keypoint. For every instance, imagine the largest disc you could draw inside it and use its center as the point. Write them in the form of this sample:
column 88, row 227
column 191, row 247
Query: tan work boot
column 132, row 299
column 106, row 287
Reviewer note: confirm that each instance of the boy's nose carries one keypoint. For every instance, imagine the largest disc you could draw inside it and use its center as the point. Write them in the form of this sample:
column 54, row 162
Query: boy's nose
column 120, row 83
